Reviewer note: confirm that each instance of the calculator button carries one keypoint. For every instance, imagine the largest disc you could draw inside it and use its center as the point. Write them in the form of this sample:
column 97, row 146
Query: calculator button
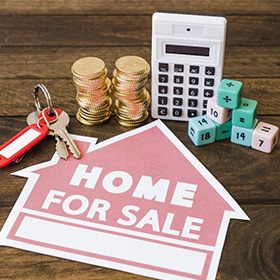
column 162, row 111
column 177, row 101
column 178, row 79
column 163, row 67
column 193, row 81
column 192, row 113
column 205, row 104
column 179, row 68
column 208, row 93
column 163, row 78
column 162, row 89
column 209, row 82
column 193, row 91
column 194, row 69
column 210, row 71
column 162, row 100
column 192, row 103
column 177, row 112
column 178, row 90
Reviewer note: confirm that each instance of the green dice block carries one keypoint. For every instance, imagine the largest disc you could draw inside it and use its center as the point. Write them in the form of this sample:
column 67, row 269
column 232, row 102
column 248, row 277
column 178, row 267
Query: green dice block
column 245, row 114
column 201, row 130
column 223, row 131
column 229, row 94
column 241, row 135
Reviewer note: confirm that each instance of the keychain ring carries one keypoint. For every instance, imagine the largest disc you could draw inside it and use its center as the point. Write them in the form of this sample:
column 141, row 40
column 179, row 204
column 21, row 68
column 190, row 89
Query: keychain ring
column 45, row 119
column 47, row 96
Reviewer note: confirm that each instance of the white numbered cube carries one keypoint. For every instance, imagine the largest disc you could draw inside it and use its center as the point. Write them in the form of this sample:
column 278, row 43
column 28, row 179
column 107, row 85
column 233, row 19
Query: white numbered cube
column 265, row 137
column 217, row 113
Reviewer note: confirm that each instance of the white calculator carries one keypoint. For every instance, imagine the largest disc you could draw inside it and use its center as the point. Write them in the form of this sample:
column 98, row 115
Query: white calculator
column 187, row 63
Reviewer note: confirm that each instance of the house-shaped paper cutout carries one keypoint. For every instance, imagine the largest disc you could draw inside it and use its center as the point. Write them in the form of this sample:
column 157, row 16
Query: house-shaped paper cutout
column 154, row 152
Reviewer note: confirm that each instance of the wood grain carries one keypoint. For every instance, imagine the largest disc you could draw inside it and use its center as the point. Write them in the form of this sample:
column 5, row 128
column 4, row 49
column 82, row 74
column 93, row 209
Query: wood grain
column 127, row 30
column 136, row 7
column 56, row 62
column 39, row 42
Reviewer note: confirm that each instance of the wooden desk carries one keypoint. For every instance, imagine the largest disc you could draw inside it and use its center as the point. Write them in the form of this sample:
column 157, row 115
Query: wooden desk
column 39, row 41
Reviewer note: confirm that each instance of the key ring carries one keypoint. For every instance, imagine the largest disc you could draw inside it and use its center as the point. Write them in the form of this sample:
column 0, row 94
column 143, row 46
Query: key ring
column 45, row 119
column 48, row 97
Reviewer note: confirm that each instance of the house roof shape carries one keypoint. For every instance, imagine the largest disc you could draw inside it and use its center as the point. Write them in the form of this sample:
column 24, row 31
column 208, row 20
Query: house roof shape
column 153, row 151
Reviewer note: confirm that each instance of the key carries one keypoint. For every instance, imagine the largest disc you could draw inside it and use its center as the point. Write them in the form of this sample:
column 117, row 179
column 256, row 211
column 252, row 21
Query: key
column 21, row 143
column 60, row 145
column 59, row 128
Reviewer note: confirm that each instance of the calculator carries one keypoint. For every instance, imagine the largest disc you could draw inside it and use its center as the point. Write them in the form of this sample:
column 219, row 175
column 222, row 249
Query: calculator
column 187, row 63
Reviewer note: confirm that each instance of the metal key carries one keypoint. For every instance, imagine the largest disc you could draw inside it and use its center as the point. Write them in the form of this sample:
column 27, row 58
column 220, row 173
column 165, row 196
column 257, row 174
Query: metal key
column 60, row 145
column 59, row 129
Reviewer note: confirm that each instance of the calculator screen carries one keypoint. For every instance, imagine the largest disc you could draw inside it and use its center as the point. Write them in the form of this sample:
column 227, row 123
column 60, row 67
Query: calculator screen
column 187, row 50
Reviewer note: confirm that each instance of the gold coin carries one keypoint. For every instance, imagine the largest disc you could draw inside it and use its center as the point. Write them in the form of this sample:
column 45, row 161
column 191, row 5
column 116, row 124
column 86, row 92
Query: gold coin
column 131, row 123
column 132, row 64
column 90, row 82
column 88, row 67
column 130, row 78
column 85, row 121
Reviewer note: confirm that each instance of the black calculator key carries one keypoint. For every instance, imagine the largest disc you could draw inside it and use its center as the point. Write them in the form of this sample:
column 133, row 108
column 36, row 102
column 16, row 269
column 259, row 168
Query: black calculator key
column 194, row 69
column 178, row 79
column 177, row 112
column 193, row 81
column 162, row 89
column 178, row 90
column 177, row 101
column 210, row 71
column 163, row 67
column 209, row 82
column 208, row 93
column 192, row 113
column 162, row 111
column 162, row 100
column 192, row 103
column 205, row 104
column 163, row 78
column 179, row 68
column 193, row 91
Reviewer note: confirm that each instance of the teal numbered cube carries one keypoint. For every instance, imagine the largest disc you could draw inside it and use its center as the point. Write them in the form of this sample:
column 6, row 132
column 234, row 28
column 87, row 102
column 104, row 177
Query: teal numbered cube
column 245, row 114
column 223, row 131
column 201, row 130
column 229, row 94
column 241, row 135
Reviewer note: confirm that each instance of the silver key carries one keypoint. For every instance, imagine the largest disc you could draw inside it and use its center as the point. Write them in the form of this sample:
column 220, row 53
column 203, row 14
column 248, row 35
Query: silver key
column 60, row 145
column 59, row 129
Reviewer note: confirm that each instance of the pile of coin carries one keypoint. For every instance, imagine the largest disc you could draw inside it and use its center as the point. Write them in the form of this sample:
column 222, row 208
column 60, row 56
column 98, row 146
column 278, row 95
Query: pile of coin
column 128, row 86
column 93, row 90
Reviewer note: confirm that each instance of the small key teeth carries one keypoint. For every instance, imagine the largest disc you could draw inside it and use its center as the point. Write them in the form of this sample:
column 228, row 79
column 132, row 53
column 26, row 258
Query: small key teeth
column 61, row 149
column 75, row 154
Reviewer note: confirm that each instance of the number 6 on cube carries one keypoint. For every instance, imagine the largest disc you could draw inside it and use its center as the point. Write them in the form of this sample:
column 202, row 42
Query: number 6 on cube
column 21, row 143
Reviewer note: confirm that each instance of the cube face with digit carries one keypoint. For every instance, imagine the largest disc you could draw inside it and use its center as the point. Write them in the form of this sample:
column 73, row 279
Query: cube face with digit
column 245, row 114
column 229, row 94
column 223, row 131
column 201, row 130
column 217, row 113
column 241, row 135
column 265, row 137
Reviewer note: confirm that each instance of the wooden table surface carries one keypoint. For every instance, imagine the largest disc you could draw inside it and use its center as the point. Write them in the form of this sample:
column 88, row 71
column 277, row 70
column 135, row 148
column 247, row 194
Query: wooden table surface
column 40, row 40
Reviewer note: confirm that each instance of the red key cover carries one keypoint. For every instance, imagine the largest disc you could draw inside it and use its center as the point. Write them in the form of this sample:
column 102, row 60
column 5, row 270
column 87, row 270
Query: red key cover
column 7, row 156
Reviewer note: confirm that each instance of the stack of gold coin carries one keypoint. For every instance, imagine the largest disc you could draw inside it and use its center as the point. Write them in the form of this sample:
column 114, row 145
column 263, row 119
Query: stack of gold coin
column 128, row 86
column 93, row 90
